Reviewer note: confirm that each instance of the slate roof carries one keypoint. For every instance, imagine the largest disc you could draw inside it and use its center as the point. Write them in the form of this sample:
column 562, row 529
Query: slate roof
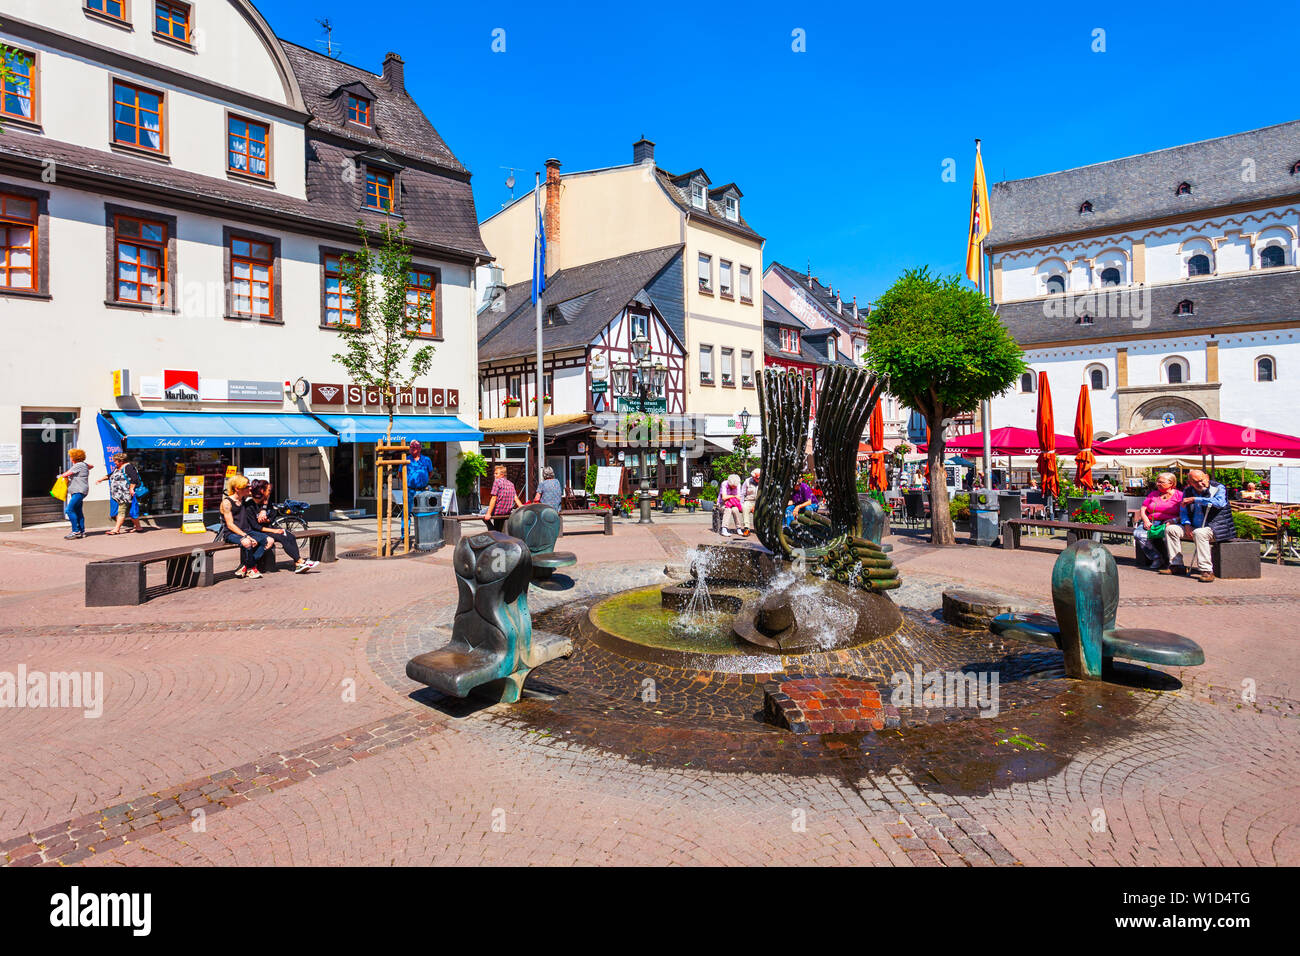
column 435, row 200
column 589, row 296
column 1143, row 187
column 825, row 296
column 814, row 344
column 715, row 213
column 1266, row 297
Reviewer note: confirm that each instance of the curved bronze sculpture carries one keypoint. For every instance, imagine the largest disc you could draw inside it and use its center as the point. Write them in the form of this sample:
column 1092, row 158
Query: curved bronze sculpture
column 784, row 405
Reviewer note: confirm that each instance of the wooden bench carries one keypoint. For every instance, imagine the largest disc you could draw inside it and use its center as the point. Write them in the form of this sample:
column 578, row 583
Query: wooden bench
column 115, row 582
column 1074, row 530
column 452, row 525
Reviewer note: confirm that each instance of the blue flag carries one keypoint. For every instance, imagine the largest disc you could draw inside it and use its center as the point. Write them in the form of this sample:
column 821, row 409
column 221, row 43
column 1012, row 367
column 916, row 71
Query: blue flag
column 110, row 439
column 539, row 257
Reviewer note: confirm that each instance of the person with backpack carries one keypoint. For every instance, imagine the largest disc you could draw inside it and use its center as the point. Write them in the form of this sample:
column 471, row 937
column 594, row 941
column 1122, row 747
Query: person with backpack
column 235, row 528
column 124, row 488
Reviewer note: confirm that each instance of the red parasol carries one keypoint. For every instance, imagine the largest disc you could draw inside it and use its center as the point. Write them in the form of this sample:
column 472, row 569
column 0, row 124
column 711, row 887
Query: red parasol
column 1005, row 441
column 1084, row 458
column 879, row 475
column 1047, row 439
column 1205, row 436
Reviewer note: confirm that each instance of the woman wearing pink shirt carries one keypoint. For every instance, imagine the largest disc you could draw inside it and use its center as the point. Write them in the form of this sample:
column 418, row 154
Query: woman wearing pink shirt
column 1161, row 505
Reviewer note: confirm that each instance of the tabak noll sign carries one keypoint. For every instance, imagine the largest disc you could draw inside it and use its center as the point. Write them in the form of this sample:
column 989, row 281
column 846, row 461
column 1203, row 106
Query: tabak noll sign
column 337, row 394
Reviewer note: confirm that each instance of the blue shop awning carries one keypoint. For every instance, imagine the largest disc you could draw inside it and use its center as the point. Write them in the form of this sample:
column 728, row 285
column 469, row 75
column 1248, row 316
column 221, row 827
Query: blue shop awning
column 220, row 430
column 368, row 429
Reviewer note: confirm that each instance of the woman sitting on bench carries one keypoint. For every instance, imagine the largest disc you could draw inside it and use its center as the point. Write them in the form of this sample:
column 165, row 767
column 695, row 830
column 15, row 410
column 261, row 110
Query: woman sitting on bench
column 258, row 507
column 235, row 528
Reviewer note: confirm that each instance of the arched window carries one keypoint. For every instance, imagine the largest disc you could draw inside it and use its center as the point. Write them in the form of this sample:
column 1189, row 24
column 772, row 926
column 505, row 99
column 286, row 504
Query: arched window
column 1198, row 265
column 1265, row 369
column 1027, row 381
column 1097, row 377
column 1176, row 372
column 1184, row 308
column 1271, row 257
column 1184, row 189
column 1110, row 276
column 1055, row 285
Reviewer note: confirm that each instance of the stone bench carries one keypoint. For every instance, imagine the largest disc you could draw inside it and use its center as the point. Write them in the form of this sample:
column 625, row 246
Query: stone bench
column 117, row 582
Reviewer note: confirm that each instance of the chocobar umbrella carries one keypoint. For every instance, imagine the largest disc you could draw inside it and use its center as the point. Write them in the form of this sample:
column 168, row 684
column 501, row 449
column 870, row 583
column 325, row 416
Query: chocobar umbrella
column 1205, row 436
column 1084, row 458
column 1005, row 441
column 1047, row 439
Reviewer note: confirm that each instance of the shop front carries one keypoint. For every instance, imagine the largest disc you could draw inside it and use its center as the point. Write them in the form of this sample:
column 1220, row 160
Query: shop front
column 352, row 489
column 512, row 442
column 166, row 447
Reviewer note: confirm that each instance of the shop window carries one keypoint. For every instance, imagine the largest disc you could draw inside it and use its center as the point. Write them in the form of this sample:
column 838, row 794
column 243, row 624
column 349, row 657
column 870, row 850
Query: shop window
column 421, row 302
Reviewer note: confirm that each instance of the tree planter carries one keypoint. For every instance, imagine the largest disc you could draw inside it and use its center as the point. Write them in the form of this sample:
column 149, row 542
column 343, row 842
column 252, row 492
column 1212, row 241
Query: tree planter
column 707, row 505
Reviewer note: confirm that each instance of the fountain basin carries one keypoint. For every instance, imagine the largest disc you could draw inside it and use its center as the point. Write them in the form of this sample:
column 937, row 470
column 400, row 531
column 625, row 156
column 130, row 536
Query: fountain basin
column 813, row 615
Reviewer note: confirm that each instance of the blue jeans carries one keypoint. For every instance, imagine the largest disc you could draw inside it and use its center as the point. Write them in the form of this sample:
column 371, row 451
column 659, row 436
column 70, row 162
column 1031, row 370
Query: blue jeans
column 248, row 557
column 1154, row 553
column 73, row 512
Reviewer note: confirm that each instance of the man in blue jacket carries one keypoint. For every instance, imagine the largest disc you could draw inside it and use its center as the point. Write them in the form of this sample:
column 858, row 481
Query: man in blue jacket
column 1207, row 517
column 419, row 470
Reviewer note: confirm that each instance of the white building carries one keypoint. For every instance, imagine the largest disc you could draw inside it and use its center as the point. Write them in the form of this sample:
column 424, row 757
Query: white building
column 175, row 191
column 1166, row 282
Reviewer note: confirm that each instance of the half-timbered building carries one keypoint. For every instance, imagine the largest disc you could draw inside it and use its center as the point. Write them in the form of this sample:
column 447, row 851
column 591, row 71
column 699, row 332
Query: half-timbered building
column 590, row 315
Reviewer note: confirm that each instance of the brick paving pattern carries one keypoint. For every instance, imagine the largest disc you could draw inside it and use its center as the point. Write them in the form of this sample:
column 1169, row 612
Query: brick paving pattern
column 280, row 709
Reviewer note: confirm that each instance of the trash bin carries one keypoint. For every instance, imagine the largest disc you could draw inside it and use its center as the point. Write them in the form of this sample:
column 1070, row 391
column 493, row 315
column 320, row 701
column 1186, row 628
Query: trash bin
column 983, row 517
column 427, row 520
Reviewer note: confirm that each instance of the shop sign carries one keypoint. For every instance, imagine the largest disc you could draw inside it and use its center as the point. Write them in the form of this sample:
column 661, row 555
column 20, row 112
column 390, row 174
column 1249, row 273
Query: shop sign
column 121, row 383
column 634, row 405
column 151, row 387
column 599, row 367
column 10, row 459
column 431, row 399
column 240, row 390
column 252, row 474
column 192, row 506
column 180, row 385
column 599, row 386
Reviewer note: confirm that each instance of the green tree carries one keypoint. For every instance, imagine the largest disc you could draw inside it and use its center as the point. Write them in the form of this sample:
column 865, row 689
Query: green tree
column 377, row 351
column 943, row 351
column 739, row 462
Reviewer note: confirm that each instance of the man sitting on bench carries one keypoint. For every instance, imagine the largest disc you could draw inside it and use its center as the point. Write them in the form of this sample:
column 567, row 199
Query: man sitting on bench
column 1207, row 517
column 235, row 528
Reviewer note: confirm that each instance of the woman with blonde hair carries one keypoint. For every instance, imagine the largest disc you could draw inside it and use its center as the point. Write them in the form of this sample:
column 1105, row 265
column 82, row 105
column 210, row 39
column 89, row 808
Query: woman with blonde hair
column 78, row 479
column 235, row 528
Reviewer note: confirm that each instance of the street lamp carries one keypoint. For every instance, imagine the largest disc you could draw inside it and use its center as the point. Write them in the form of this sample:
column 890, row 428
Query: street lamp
column 641, row 382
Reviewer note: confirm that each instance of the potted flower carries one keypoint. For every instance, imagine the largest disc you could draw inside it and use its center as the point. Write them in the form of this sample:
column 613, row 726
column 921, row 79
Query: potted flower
column 671, row 499
column 1090, row 512
column 512, row 405
column 709, row 496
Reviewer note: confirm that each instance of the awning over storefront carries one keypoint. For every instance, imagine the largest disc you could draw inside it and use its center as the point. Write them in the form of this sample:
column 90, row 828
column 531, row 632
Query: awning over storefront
column 556, row 426
column 219, row 430
column 369, row 429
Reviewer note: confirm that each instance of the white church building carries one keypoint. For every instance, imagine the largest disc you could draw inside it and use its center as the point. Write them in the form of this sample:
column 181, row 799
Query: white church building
column 1167, row 282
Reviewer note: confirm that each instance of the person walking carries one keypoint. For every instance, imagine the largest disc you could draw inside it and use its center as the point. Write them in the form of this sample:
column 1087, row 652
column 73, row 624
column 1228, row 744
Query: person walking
column 123, row 484
column 550, row 492
column 258, row 508
column 235, row 528
column 1206, row 518
column 78, row 479
column 503, row 500
column 1160, row 509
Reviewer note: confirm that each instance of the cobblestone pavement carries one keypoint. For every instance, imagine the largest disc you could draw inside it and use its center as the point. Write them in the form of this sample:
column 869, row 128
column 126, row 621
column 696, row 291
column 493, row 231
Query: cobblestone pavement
column 272, row 722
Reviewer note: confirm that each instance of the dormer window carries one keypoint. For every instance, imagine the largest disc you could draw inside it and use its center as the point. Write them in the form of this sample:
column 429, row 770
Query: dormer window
column 358, row 110
column 790, row 341
column 1085, row 207
column 1184, row 189
column 1184, row 308
column 732, row 206
column 698, row 198
column 379, row 190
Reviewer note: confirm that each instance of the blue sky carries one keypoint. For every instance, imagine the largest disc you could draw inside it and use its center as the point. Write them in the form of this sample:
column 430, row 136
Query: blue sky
column 839, row 150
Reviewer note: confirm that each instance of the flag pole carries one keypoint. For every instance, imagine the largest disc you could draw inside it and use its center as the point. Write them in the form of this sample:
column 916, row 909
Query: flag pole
column 540, row 266
column 986, row 407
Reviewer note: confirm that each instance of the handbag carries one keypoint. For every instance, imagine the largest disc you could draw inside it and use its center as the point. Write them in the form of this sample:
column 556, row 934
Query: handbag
column 1157, row 530
column 140, row 492
column 60, row 489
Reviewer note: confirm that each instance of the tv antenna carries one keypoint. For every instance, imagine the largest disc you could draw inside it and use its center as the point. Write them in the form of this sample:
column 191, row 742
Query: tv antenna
column 331, row 50
column 510, row 183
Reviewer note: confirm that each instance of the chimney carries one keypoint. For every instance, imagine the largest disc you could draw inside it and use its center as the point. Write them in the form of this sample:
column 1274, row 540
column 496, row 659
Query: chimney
column 551, row 216
column 395, row 73
column 839, row 306
column 855, row 308
column 643, row 151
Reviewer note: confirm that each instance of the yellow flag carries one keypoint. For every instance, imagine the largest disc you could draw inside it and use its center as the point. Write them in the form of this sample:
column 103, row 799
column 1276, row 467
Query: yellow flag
column 980, row 220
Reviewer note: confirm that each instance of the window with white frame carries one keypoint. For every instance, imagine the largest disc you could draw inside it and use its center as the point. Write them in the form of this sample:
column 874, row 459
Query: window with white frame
column 1265, row 369
column 706, row 364
column 790, row 341
column 728, row 366
column 514, row 386
column 746, row 284
column 639, row 324
column 1272, row 257
column 706, row 273
column 746, row 367
column 1098, row 378
column 1176, row 371
column 1027, row 382
column 733, row 208
column 724, row 277
column 698, row 198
